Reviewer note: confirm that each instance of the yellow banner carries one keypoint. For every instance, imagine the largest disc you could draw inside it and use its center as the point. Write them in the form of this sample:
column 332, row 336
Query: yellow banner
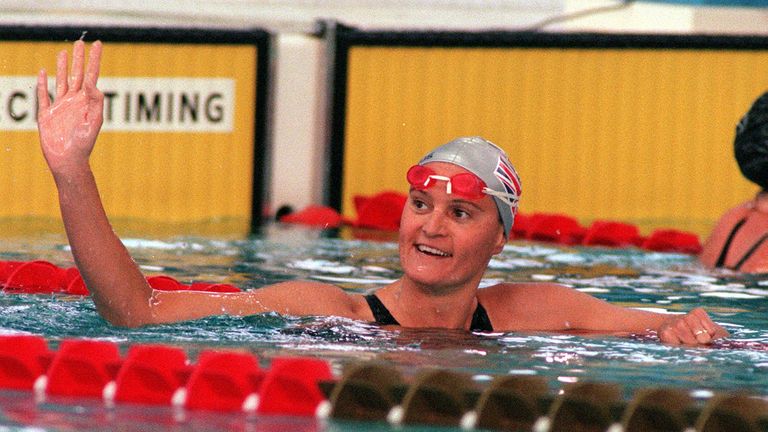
column 177, row 143
column 643, row 136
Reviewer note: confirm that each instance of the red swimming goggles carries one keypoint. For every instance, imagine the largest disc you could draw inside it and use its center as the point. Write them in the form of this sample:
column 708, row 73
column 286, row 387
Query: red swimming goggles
column 466, row 185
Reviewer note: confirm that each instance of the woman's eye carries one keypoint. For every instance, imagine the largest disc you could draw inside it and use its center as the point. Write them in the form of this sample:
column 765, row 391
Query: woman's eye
column 418, row 204
column 460, row 213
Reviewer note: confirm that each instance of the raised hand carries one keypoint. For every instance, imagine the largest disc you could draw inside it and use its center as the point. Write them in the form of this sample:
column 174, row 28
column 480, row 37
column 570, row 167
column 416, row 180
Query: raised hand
column 68, row 127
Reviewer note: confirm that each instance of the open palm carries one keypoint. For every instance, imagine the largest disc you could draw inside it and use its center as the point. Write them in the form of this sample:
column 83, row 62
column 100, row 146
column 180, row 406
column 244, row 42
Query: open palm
column 68, row 126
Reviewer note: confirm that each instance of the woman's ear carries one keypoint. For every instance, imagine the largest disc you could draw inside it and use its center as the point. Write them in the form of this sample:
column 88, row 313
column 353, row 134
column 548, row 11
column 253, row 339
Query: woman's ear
column 501, row 240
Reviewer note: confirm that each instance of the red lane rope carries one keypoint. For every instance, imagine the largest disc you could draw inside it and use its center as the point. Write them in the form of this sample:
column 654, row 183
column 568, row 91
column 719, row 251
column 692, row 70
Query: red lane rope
column 43, row 277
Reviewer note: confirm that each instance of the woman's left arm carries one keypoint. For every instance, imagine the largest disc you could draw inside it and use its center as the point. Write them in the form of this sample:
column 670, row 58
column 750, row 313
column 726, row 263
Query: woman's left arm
column 555, row 307
column 692, row 328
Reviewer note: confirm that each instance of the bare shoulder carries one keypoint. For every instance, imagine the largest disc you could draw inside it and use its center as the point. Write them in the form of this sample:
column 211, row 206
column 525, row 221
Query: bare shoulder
column 730, row 218
column 716, row 240
column 303, row 297
column 505, row 292
column 527, row 305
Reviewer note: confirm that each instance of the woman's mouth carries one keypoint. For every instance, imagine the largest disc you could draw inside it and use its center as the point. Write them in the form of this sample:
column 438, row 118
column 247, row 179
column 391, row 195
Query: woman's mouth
column 431, row 251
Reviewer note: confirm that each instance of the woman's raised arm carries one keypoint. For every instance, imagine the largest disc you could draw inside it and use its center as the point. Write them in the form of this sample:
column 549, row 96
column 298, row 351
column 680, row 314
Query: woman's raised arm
column 68, row 127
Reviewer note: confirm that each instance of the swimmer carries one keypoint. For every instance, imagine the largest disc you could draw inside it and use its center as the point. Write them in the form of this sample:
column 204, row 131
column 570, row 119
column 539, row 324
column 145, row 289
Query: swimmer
column 739, row 240
column 461, row 206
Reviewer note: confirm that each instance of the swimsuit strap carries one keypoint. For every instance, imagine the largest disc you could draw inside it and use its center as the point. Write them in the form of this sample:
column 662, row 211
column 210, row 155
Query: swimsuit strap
column 750, row 252
column 721, row 259
column 382, row 316
column 480, row 320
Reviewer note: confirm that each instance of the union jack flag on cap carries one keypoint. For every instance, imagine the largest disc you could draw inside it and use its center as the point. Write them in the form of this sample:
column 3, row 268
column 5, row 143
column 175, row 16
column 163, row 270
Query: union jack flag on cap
column 509, row 179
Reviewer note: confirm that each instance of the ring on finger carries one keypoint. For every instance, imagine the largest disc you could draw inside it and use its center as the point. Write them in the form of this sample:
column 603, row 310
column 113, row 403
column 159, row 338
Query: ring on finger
column 699, row 332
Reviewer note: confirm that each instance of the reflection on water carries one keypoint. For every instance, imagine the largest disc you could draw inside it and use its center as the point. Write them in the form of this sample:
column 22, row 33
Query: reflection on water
column 633, row 278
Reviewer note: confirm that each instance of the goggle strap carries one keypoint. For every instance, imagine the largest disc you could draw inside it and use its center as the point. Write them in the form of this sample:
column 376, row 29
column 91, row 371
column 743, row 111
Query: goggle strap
column 508, row 198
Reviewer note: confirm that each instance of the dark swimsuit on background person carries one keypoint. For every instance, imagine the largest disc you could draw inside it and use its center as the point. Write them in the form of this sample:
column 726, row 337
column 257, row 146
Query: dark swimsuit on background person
column 721, row 259
column 382, row 316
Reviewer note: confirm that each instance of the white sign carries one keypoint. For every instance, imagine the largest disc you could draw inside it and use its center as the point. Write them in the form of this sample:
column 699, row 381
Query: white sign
column 135, row 104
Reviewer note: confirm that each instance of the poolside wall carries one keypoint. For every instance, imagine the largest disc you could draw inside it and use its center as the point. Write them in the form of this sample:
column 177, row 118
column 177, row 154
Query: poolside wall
column 300, row 104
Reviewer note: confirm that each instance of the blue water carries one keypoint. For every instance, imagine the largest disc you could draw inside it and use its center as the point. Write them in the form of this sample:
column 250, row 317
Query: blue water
column 629, row 277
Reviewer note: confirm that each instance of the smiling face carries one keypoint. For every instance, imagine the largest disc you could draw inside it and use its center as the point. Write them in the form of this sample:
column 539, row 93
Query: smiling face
column 446, row 240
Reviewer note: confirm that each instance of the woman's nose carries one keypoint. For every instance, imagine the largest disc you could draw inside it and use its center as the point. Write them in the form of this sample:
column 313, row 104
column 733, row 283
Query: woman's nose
column 434, row 224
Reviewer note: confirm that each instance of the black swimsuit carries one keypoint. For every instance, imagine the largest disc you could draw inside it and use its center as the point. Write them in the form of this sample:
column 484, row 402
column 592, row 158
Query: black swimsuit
column 721, row 259
column 382, row 316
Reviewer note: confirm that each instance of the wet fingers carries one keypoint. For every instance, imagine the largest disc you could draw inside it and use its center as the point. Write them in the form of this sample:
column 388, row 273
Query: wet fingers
column 78, row 60
column 94, row 64
column 61, row 74
column 43, row 100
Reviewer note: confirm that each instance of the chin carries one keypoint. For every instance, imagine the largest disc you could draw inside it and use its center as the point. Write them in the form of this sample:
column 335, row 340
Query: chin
column 435, row 281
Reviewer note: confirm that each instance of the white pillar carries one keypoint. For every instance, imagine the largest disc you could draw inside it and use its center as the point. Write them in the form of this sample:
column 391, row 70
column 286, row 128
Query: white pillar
column 298, row 121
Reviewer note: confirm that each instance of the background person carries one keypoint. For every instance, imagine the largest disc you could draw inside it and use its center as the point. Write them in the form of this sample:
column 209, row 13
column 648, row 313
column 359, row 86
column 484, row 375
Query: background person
column 739, row 240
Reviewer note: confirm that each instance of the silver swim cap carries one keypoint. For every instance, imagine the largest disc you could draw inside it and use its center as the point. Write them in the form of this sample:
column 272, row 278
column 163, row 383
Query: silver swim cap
column 489, row 162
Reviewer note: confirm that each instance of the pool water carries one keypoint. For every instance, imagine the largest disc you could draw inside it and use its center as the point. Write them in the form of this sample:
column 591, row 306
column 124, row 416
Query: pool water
column 630, row 277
